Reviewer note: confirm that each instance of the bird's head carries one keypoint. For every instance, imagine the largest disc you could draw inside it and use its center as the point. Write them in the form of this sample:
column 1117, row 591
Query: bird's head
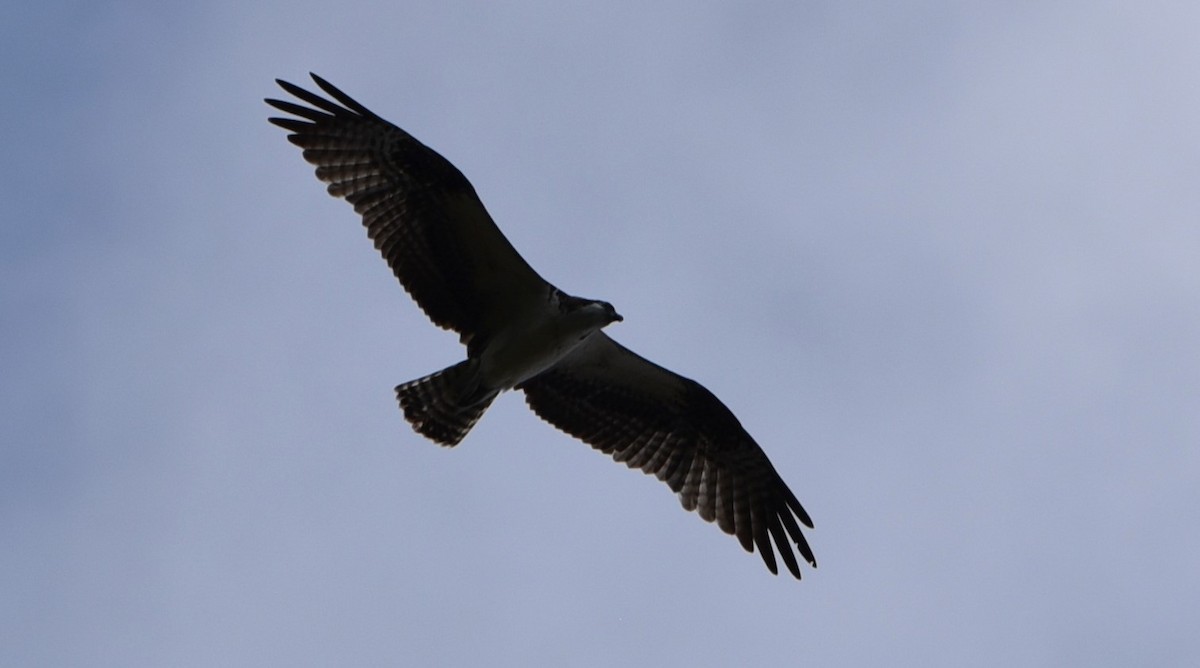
column 609, row 313
column 589, row 315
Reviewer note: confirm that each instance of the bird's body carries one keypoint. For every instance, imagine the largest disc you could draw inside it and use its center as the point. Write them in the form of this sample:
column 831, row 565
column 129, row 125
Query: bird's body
column 523, row 333
column 536, row 340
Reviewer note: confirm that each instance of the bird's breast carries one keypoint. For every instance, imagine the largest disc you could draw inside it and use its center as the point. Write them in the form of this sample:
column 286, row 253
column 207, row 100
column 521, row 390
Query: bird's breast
column 525, row 350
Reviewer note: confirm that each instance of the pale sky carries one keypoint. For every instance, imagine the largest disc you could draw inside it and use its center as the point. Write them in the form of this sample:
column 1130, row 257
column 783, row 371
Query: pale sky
column 942, row 260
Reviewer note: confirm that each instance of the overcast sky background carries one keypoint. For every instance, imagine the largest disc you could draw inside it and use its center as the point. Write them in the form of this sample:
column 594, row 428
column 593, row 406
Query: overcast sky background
column 941, row 259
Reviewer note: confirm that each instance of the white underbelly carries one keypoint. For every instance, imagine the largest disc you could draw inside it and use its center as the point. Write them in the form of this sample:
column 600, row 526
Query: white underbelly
column 518, row 356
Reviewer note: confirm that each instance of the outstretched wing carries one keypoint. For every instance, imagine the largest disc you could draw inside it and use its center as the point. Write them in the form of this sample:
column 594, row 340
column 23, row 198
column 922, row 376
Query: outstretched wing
column 672, row 427
column 420, row 211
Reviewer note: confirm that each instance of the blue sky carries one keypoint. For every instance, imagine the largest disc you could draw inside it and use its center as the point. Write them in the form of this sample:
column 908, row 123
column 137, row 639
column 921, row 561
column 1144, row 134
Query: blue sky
column 940, row 259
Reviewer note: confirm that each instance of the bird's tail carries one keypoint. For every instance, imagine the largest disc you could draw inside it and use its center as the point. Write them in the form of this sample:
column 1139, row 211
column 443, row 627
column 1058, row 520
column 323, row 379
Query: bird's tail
column 445, row 405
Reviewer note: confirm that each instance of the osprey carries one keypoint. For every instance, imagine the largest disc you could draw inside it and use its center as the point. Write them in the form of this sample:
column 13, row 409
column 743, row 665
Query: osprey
column 523, row 333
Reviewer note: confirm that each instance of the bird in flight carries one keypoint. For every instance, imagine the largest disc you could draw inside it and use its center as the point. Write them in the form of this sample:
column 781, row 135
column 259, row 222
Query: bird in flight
column 523, row 333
